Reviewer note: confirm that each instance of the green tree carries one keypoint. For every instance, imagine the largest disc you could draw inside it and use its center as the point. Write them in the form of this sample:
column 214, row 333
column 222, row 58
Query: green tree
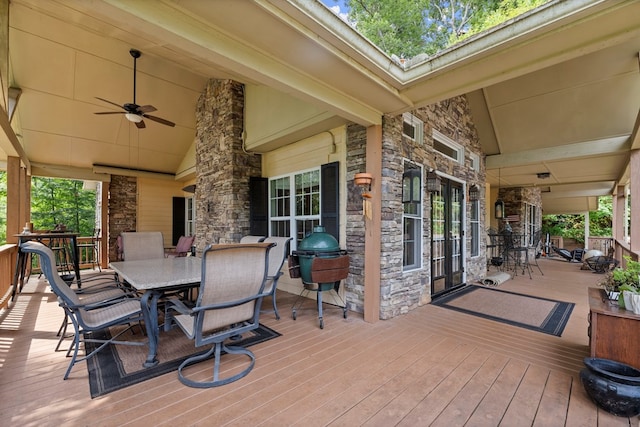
column 572, row 225
column 407, row 28
column 62, row 201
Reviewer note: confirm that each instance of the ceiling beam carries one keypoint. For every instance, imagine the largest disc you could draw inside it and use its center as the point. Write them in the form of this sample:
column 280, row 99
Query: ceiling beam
column 9, row 141
column 577, row 150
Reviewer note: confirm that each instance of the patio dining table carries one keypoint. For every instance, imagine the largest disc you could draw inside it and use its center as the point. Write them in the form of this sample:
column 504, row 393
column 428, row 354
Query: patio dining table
column 156, row 277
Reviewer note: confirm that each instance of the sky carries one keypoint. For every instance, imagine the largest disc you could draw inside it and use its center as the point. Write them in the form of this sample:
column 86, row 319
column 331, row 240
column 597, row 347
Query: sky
column 339, row 7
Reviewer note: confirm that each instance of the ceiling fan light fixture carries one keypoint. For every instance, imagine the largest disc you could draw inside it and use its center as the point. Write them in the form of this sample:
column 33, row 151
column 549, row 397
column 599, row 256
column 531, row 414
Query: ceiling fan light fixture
column 133, row 117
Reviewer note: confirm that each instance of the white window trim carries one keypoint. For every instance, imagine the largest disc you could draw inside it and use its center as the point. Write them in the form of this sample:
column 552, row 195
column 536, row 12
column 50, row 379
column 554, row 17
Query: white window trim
column 443, row 139
column 291, row 217
column 418, row 126
column 475, row 161
column 420, row 220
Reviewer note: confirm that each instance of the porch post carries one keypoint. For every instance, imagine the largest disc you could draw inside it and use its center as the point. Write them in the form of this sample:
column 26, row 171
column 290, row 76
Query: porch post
column 634, row 191
column 617, row 224
column 104, row 224
column 373, row 227
column 18, row 198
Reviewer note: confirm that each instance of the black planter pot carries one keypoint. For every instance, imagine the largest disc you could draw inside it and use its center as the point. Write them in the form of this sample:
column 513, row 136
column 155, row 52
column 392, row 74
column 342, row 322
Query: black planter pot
column 613, row 386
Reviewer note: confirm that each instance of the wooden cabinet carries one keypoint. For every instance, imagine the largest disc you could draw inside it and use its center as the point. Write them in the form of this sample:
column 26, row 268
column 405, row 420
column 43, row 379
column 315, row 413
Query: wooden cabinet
column 614, row 333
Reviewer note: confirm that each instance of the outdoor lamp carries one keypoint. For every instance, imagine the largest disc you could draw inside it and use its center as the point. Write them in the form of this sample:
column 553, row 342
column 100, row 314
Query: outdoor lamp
column 474, row 193
column 499, row 209
column 433, row 181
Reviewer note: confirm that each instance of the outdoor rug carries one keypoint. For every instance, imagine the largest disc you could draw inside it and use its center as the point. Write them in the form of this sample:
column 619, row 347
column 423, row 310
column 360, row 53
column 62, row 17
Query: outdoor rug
column 538, row 314
column 119, row 366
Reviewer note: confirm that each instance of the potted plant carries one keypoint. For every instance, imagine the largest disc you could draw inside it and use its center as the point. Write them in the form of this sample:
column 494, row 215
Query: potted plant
column 621, row 280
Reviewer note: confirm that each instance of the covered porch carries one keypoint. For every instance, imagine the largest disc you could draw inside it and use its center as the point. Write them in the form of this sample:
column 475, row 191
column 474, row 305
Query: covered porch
column 432, row 366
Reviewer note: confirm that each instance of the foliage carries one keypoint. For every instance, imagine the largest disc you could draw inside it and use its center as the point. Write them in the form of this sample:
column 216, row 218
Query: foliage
column 62, row 201
column 407, row 28
column 572, row 225
column 627, row 279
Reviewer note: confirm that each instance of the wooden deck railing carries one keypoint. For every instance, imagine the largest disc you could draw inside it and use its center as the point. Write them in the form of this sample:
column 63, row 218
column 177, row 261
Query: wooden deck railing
column 8, row 255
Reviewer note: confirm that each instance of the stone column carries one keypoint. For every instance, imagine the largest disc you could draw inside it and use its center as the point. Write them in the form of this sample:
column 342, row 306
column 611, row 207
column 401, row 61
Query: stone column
column 223, row 167
column 123, row 202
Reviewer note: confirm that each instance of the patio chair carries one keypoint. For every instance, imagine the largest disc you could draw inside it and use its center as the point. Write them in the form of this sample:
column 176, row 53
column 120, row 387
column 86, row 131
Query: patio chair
column 535, row 245
column 182, row 248
column 105, row 296
column 85, row 317
column 252, row 239
column 276, row 260
column 92, row 248
column 139, row 245
column 228, row 304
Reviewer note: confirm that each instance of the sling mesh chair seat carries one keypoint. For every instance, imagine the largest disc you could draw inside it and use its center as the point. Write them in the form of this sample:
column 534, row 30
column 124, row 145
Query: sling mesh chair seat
column 84, row 316
column 228, row 304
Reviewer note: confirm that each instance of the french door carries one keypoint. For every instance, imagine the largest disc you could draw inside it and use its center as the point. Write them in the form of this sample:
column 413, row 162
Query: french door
column 447, row 235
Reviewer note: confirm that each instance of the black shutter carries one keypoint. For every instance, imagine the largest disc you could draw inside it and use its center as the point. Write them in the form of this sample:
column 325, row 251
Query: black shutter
column 258, row 206
column 178, row 219
column 330, row 194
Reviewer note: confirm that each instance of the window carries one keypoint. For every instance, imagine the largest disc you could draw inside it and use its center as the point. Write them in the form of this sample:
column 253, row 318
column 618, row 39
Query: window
column 412, row 216
column 448, row 147
column 413, row 128
column 530, row 222
column 190, row 216
column 475, row 162
column 294, row 205
column 474, row 223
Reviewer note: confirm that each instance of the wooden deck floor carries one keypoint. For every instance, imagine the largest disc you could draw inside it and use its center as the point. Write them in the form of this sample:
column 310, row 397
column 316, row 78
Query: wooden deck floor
column 432, row 366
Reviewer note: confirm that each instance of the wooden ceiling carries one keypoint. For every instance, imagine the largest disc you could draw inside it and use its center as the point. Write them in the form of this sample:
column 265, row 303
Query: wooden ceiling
column 556, row 92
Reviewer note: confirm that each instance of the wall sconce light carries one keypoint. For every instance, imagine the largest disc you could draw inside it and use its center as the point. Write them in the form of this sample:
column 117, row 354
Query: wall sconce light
column 363, row 180
column 433, row 182
column 474, row 193
column 411, row 186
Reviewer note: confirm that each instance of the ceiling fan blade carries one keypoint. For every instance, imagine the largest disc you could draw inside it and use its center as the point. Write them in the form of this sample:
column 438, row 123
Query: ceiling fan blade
column 140, row 124
column 109, row 102
column 111, row 112
column 147, row 109
column 159, row 120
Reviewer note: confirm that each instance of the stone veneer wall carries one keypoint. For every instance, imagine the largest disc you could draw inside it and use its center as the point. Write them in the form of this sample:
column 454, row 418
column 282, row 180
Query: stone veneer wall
column 514, row 204
column 223, row 167
column 123, row 202
column 401, row 292
column 355, row 226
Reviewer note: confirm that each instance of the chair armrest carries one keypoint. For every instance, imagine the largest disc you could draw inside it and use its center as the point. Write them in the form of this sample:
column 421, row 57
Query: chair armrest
column 176, row 304
column 229, row 304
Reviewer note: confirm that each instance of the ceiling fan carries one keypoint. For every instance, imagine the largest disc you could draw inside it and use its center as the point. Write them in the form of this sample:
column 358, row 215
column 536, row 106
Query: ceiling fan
column 134, row 112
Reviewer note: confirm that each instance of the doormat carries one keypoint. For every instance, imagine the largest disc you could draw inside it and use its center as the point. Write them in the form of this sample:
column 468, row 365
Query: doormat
column 119, row 366
column 537, row 314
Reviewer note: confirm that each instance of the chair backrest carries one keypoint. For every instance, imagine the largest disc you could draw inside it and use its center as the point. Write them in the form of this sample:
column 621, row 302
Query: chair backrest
column 95, row 236
column 142, row 245
column 231, row 273
column 278, row 254
column 184, row 244
column 47, row 263
column 251, row 239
